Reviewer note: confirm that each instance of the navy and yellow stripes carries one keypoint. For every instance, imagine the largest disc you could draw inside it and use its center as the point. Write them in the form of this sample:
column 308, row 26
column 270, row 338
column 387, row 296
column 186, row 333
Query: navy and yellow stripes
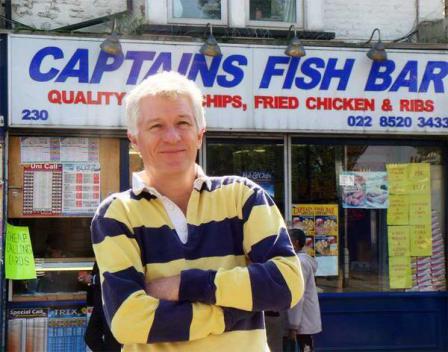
column 237, row 262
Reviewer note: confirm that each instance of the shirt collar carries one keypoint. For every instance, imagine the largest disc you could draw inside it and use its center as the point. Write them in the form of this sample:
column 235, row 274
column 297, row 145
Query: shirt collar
column 138, row 185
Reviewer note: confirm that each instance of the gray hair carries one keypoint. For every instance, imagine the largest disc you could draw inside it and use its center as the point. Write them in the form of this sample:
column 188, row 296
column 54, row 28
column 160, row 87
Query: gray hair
column 167, row 84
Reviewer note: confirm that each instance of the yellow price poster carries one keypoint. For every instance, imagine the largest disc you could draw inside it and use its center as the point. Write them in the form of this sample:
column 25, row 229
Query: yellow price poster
column 326, row 219
column 397, row 175
column 400, row 275
column 303, row 218
column 419, row 178
column 421, row 240
column 419, row 209
column 398, row 241
column 320, row 224
column 19, row 259
column 398, row 211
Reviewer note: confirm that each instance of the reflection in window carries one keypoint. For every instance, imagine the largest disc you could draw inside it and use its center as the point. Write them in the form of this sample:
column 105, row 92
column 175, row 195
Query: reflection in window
column 364, row 261
column 313, row 173
column 367, row 229
column 62, row 249
column 260, row 161
column 273, row 10
column 197, row 9
column 59, row 237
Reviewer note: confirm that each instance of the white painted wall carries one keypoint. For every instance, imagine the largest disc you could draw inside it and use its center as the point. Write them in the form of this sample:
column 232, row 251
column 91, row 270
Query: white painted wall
column 354, row 20
column 431, row 10
column 351, row 20
column 51, row 14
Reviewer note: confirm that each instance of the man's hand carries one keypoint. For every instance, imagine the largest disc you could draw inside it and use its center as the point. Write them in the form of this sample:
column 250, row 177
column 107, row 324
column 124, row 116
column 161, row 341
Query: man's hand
column 293, row 334
column 166, row 288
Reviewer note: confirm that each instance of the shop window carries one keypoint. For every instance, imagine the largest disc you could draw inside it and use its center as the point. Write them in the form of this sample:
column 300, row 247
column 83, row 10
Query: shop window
column 62, row 249
column 270, row 12
column 259, row 160
column 376, row 246
column 197, row 11
column 55, row 187
column 316, row 166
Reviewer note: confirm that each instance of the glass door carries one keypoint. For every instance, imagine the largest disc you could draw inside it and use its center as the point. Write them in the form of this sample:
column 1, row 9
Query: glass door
column 261, row 160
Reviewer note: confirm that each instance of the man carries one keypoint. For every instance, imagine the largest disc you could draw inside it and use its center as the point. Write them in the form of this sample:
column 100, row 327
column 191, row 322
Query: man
column 188, row 262
column 304, row 319
column 97, row 336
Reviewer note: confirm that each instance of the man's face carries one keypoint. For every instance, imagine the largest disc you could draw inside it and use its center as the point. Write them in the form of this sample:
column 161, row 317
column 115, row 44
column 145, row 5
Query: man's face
column 295, row 244
column 167, row 136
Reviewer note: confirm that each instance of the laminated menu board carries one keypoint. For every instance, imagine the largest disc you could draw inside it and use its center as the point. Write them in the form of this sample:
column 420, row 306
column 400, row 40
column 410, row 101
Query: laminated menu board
column 47, row 329
column 320, row 222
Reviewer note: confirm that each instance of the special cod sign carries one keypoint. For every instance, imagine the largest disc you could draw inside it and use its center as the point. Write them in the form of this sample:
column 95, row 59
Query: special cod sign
column 70, row 83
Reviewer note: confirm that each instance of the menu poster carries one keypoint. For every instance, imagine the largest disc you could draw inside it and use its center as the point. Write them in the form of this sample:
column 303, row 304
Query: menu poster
column 58, row 150
column 84, row 150
column 81, row 188
column 39, row 150
column 320, row 224
column 42, row 189
column 369, row 190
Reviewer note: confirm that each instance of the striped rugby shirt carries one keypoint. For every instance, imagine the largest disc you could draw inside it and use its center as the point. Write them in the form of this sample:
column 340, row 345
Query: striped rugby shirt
column 237, row 261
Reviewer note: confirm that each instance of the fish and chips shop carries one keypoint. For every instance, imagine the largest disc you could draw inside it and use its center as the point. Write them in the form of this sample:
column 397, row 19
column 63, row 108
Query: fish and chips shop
column 353, row 151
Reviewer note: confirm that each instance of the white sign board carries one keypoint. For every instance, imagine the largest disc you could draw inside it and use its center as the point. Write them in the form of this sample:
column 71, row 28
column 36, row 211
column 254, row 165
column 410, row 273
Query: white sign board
column 70, row 83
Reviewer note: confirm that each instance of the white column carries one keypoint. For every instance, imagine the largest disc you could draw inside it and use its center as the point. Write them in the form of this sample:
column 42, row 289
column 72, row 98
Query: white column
column 314, row 15
column 156, row 11
column 237, row 13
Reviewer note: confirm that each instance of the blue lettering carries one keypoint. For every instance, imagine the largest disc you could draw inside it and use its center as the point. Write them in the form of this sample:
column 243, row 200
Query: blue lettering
column 137, row 58
column 80, row 58
column 376, row 74
column 309, row 71
column 431, row 75
column 407, row 77
column 34, row 70
column 161, row 63
column 271, row 71
column 233, row 70
column 102, row 65
column 332, row 72
column 291, row 73
column 184, row 63
column 208, row 74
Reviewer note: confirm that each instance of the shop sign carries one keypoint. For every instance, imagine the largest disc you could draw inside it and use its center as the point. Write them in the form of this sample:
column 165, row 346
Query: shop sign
column 69, row 82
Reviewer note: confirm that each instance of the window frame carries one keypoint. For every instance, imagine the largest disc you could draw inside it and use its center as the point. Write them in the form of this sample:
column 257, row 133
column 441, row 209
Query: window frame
column 180, row 20
column 299, row 22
